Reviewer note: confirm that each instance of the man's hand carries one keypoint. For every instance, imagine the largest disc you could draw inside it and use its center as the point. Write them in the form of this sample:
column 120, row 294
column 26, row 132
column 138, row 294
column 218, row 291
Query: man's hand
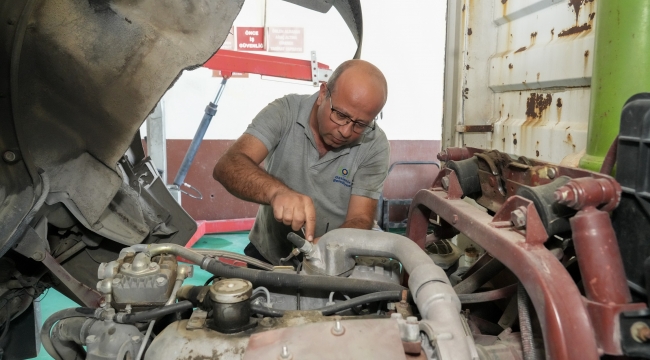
column 295, row 209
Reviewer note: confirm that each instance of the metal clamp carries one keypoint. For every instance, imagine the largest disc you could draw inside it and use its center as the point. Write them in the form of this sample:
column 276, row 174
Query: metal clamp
column 318, row 74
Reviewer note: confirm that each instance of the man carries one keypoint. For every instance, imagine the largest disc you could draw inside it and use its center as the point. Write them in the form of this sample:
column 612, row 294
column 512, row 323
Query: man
column 326, row 161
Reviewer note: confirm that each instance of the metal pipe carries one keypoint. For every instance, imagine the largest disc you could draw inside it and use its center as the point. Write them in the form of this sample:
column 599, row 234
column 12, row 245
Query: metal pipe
column 210, row 111
column 234, row 256
column 435, row 298
column 621, row 69
column 265, row 278
column 597, row 249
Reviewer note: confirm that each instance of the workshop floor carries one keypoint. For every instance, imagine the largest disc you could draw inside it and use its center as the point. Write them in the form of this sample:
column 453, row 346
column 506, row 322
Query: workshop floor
column 53, row 301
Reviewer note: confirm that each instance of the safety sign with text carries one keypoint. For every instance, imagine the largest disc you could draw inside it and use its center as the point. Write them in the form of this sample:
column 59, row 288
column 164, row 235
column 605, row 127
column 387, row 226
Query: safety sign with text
column 286, row 39
column 250, row 38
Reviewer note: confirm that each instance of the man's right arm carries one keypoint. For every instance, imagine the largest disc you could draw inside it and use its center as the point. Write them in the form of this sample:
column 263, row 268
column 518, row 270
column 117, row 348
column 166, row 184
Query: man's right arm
column 239, row 172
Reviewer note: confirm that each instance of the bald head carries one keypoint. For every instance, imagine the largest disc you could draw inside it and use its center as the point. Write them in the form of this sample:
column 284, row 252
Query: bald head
column 359, row 73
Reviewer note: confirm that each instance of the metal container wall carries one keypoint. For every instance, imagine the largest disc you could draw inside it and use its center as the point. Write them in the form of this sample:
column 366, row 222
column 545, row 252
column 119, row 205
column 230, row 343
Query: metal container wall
column 523, row 66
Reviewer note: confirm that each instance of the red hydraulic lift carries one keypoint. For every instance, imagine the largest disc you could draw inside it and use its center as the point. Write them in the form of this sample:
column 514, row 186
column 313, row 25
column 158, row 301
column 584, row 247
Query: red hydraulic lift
column 229, row 62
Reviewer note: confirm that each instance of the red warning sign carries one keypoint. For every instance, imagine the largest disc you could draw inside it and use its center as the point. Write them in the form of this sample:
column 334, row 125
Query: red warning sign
column 250, row 38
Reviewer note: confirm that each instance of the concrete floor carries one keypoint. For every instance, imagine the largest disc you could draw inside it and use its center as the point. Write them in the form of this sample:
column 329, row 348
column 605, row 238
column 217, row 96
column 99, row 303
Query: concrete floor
column 53, row 301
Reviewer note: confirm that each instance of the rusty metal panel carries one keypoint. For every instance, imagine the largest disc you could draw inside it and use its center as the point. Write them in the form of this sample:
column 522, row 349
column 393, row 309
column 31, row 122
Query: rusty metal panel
column 524, row 67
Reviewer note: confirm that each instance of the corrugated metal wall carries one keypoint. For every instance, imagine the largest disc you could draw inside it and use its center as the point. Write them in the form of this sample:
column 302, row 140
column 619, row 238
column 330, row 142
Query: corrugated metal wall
column 524, row 66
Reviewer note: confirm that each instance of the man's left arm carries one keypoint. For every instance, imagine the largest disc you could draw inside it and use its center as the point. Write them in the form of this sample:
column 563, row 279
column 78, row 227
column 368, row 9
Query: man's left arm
column 367, row 187
column 361, row 213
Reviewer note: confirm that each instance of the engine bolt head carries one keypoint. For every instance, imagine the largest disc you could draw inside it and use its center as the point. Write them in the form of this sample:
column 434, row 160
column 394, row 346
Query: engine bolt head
column 445, row 182
column 161, row 281
column 285, row 354
column 338, row 329
column 91, row 339
column 116, row 281
column 518, row 218
column 153, row 266
column 136, row 339
column 551, row 172
column 9, row 156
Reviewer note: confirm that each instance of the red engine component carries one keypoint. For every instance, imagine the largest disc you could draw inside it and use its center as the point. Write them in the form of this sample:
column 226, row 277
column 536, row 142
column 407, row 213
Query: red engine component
column 525, row 217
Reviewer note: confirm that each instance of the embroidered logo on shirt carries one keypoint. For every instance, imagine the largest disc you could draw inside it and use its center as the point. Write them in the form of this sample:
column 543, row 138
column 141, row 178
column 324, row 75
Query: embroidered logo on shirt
column 341, row 177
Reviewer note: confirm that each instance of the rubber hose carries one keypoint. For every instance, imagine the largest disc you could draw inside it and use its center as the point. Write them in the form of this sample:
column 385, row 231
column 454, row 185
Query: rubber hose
column 488, row 295
column 296, row 240
column 360, row 300
column 480, row 277
column 154, row 313
column 295, row 281
column 333, row 309
column 67, row 338
column 525, row 326
column 57, row 316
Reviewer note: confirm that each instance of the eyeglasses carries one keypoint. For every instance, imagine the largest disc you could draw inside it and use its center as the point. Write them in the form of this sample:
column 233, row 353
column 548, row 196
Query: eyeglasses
column 342, row 119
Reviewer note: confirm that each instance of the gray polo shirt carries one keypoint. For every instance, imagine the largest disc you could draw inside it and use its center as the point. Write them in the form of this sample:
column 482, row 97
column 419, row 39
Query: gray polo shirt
column 357, row 169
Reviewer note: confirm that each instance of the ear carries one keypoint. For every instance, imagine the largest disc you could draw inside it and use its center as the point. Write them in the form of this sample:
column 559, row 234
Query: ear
column 322, row 94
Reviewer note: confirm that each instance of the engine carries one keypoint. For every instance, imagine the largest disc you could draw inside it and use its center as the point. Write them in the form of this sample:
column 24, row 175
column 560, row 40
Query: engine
column 345, row 300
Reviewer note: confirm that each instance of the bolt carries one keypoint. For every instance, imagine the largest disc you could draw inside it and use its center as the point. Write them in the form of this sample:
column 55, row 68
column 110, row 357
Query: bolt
column 116, row 281
column 161, row 281
column 102, row 302
column 443, row 156
column 338, row 329
column 518, row 218
column 91, row 339
column 285, row 354
column 643, row 333
column 152, row 266
column 411, row 320
column 136, row 339
column 551, row 172
column 566, row 195
column 126, row 266
column 640, row 332
column 445, row 182
column 9, row 156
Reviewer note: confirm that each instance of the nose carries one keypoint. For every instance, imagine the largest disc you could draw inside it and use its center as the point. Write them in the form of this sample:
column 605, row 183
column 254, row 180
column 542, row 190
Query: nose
column 346, row 130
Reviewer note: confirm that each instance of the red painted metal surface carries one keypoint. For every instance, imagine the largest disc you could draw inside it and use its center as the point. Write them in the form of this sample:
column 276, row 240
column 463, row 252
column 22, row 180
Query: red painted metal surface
column 236, row 61
column 89, row 297
column 605, row 318
column 565, row 322
column 601, row 266
column 573, row 326
column 588, row 192
column 219, row 226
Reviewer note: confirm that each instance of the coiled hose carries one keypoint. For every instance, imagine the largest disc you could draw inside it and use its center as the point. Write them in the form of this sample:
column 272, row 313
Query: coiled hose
column 525, row 325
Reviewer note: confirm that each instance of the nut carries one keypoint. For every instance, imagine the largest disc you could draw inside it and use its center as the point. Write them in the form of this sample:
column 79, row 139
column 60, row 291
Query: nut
column 518, row 218
column 285, row 354
column 161, row 281
column 338, row 329
column 9, row 156
column 445, row 182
